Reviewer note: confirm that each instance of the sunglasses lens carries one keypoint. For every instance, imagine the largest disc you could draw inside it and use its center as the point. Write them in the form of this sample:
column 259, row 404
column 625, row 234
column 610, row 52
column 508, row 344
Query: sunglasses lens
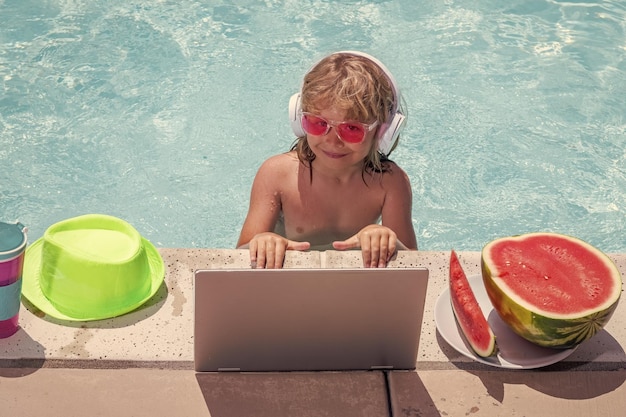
column 351, row 132
column 314, row 125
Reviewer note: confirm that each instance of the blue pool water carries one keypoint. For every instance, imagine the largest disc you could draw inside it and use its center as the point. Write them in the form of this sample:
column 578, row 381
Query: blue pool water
column 160, row 112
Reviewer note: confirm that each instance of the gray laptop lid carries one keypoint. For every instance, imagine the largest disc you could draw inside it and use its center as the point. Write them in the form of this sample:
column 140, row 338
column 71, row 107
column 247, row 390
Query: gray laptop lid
column 308, row 319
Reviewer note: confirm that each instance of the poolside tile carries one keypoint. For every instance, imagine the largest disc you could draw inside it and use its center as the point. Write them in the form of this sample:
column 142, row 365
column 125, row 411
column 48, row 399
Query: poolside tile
column 344, row 394
column 434, row 393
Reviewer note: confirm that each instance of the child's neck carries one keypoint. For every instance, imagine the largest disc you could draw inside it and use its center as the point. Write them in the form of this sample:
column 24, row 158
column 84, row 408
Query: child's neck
column 338, row 177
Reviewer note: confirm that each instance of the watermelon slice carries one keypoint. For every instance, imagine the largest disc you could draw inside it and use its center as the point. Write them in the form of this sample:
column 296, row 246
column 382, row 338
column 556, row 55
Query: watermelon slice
column 467, row 311
column 553, row 290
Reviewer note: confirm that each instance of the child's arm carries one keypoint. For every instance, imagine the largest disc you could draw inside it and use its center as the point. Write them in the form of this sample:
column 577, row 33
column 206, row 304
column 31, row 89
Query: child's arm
column 267, row 249
column 398, row 209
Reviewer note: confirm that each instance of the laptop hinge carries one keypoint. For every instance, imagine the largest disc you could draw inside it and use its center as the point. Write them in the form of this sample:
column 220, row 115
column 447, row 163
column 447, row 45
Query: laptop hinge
column 228, row 369
column 381, row 367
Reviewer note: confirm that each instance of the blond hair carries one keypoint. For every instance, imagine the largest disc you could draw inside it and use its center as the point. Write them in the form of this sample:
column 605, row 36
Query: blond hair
column 356, row 85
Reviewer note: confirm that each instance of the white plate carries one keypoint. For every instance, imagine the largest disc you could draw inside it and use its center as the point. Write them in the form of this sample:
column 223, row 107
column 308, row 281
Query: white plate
column 514, row 352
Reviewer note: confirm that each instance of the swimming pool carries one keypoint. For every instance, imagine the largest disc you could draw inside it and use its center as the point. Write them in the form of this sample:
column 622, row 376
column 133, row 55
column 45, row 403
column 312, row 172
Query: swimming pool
column 160, row 112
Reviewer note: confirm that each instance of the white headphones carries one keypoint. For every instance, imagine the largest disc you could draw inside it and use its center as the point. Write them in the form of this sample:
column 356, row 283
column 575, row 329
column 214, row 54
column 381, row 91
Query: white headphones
column 387, row 133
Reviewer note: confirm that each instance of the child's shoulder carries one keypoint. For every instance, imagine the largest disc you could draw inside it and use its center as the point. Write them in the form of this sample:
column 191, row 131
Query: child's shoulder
column 393, row 174
column 280, row 162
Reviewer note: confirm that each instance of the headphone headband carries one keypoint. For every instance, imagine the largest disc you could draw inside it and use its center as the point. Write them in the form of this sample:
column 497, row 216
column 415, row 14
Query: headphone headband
column 388, row 132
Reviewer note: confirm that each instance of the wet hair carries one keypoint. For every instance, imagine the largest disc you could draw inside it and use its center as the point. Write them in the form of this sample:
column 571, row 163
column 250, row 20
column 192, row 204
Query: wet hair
column 356, row 85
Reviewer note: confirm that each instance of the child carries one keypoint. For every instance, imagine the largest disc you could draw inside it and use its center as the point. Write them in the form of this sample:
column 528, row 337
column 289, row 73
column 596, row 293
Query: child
column 335, row 188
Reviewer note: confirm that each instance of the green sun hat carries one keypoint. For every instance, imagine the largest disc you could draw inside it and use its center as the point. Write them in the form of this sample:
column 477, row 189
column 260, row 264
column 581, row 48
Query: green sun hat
column 91, row 267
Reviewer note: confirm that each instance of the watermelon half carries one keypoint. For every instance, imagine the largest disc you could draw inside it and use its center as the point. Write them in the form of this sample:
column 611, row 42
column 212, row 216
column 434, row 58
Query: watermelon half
column 553, row 290
column 468, row 313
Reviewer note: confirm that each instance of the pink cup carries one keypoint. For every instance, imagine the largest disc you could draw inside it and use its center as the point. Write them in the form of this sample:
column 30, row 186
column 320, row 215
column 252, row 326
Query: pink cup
column 12, row 249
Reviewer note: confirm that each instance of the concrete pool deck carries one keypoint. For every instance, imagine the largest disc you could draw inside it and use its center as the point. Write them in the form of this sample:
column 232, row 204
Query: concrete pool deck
column 141, row 364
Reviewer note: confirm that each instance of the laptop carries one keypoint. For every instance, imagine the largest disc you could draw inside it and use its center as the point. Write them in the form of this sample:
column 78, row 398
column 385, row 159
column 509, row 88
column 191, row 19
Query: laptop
column 308, row 319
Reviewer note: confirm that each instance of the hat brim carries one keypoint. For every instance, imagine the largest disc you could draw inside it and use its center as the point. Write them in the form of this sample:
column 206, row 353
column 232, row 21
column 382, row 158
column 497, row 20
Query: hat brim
column 31, row 288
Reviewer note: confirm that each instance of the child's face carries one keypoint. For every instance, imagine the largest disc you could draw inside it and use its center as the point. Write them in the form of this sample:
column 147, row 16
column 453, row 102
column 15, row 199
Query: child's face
column 330, row 148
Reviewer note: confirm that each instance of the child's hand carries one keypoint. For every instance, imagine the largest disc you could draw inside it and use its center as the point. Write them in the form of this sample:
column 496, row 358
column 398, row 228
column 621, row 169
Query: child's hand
column 267, row 250
column 378, row 245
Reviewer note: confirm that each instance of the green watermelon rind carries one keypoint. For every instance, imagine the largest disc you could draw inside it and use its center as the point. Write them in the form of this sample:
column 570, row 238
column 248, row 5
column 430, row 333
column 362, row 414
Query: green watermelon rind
column 535, row 325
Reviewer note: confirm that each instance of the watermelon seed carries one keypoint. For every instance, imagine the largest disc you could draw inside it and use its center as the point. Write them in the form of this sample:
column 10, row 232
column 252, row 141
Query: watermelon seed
column 546, row 277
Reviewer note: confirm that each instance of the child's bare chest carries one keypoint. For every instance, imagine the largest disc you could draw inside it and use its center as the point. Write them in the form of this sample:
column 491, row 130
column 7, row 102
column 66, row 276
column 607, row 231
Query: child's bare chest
column 316, row 213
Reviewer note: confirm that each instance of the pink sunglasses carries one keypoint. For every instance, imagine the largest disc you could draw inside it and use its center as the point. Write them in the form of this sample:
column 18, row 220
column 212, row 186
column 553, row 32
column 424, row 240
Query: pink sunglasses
column 350, row 132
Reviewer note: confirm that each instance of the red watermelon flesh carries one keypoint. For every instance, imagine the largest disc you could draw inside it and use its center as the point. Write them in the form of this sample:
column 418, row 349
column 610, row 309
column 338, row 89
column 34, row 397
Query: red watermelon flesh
column 554, row 290
column 469, row 316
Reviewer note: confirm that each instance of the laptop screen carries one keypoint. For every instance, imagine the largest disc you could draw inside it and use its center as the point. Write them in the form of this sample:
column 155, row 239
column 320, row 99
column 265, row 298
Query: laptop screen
column 308, row 319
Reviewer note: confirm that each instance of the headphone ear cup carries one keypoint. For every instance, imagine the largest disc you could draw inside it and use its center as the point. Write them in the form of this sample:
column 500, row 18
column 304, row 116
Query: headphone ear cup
column 391, row 133
column 294, row 113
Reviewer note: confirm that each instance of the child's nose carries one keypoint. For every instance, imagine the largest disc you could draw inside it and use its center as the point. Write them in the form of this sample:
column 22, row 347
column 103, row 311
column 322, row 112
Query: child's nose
column 333, row 134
